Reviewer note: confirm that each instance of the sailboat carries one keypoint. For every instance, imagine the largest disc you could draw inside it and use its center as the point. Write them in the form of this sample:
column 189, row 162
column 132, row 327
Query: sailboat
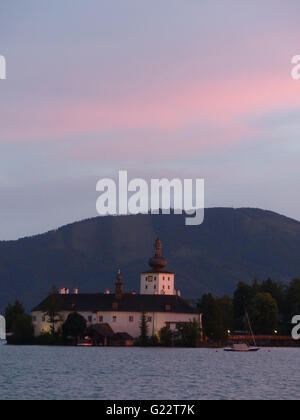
column 243, row 347
column 2, row 330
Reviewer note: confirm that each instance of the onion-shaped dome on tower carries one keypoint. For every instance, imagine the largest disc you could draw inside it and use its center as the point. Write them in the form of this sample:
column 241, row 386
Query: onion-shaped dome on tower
column 158, row 262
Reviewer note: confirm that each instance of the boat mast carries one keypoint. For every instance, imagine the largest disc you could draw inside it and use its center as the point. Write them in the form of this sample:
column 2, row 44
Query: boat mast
column 250, row 328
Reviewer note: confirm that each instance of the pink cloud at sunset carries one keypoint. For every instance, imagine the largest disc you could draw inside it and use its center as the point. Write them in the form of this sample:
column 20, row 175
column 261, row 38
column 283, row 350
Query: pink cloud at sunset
column 221, row 108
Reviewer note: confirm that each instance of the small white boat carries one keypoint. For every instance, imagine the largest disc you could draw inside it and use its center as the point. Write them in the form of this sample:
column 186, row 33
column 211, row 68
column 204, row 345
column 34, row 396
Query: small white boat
column 241, row 348
column 244, row 347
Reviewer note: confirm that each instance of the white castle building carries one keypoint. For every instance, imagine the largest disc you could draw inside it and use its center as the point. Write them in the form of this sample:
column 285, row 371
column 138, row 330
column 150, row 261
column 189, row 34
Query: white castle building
column 158, row 299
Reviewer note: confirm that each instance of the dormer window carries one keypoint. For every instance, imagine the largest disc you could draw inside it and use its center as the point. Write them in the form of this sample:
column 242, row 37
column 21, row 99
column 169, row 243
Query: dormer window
column 168, row 308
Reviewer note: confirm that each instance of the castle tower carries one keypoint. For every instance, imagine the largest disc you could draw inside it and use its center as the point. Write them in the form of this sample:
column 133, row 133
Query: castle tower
column 157, row 281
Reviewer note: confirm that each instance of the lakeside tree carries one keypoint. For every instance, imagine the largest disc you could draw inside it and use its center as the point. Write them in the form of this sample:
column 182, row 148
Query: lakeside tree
column 19, row 324
column 12, row 312
column 212, row 318
column 242, row 299
column 293, row 298
column 23, row 329
column 226, row 307
column 264, row 313
column 278, row 291
column 166, row 337
column 188, row 333
column 74, row 326
column 143, row 330
column 53, row 308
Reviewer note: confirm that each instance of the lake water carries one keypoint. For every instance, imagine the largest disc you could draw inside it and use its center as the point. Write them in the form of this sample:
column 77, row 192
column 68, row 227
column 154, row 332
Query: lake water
column 147, row 373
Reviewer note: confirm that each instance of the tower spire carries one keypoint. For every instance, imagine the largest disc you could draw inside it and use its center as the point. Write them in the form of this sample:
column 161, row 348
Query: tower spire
column 158, row 262
column 158, row 247
column 119, row 285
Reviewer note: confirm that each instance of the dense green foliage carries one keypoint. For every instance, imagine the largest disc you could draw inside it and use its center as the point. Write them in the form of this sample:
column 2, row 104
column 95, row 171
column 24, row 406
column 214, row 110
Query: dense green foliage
column 11, row 313
column 212, row 317
column 53, row 307
column 22, row 329
column 143, row 339
column 166, row 338
column 74, row 326
column 270, row 306
column 187, row 334
column 19, row 324
column 264, row 313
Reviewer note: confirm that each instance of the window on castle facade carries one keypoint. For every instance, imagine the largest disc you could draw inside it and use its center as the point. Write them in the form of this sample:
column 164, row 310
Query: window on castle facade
column 114, row 319
column 90, row 318
column 100, row 318
column 149, row 319
column 131, row 319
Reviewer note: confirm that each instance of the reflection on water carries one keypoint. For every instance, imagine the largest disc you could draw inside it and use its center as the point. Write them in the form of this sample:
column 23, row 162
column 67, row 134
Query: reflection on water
column 147, row 373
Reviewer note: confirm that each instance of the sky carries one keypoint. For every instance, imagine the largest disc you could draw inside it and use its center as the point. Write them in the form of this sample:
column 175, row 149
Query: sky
column 173, row 88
